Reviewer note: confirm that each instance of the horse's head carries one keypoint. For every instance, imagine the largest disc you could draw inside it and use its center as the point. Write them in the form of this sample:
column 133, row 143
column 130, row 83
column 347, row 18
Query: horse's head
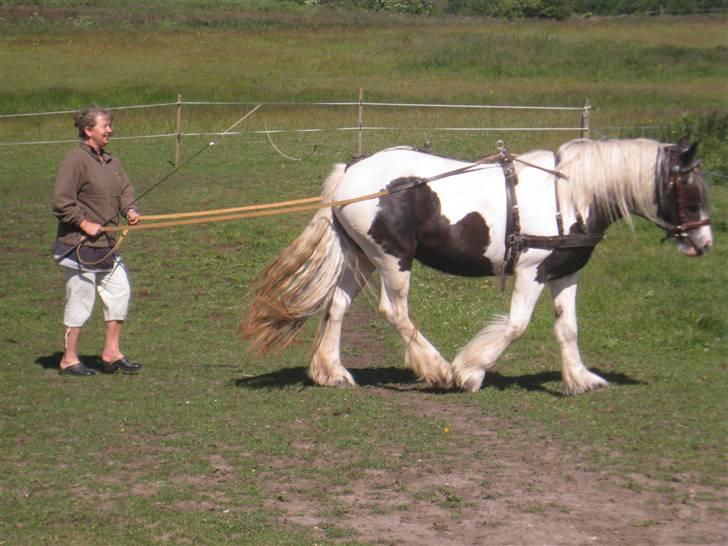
column 683, row 208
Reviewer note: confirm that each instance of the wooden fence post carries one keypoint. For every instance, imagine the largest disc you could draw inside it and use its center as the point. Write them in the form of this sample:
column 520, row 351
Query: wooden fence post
column 361, row 118
column 178, row 139
column 586, row 119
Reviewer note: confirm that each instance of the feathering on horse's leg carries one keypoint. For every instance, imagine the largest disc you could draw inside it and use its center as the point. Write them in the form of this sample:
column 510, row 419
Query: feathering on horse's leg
column 483, row 350
column 576, row 377
column 420, row 355
column 325, row 366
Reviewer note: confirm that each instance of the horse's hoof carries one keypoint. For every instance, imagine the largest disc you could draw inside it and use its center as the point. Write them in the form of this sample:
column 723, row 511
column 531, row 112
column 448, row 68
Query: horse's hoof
column 339, row 382
column 444, row 383
column 583, row 388
column 471, row 383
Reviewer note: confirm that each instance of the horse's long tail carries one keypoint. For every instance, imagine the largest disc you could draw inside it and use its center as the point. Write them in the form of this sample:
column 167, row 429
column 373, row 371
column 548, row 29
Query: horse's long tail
column 300, row 281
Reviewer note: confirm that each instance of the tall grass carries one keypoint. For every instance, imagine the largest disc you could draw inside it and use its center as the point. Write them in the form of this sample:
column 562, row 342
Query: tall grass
column 501, row 62
column 492, row 55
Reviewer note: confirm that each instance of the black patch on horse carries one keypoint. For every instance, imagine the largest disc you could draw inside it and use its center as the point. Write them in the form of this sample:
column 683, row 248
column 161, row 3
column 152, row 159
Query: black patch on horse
column 410, row 225
column 565, row 261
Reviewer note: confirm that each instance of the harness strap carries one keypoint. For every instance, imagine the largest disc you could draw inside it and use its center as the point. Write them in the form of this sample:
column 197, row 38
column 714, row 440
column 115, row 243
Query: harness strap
column 572, row 240
column 559, row 218
column 517, row 242
column 513, row 219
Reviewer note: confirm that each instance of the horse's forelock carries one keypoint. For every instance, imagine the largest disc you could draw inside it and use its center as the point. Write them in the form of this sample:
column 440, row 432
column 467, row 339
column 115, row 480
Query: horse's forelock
column 616, row 175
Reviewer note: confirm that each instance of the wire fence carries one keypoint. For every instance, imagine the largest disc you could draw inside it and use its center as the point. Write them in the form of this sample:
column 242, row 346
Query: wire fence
column 581, row 128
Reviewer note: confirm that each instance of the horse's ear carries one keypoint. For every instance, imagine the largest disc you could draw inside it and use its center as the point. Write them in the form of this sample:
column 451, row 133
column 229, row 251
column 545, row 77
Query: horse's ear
column 687, row 150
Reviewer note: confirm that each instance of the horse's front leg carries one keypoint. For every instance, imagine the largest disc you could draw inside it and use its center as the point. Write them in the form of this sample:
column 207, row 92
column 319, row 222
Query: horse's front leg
column 481, row 353
column 577, row 379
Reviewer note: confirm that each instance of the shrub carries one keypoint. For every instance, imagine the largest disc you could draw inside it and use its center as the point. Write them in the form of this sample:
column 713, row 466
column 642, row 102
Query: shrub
column 711, row 131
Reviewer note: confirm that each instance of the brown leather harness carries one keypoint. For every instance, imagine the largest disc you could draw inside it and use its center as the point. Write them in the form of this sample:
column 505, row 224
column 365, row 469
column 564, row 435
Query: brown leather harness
column 681, row 195
column 517, row 242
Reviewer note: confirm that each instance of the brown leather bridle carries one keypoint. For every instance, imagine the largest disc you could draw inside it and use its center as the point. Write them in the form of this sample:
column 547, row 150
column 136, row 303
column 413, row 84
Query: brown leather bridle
column 681, row 196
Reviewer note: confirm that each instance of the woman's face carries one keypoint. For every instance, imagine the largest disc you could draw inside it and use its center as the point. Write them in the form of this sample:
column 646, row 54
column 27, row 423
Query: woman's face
column 100, row 134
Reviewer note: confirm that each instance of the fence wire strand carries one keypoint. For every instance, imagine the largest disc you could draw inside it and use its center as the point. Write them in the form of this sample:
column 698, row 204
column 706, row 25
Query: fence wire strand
column 358, row 104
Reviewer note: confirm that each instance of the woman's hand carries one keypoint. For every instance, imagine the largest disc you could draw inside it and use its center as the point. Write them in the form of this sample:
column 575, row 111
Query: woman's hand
column 132, row 216
column 92, row 229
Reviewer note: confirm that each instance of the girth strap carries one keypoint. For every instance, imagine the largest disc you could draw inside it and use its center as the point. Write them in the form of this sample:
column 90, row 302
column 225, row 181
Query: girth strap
column 517, row 242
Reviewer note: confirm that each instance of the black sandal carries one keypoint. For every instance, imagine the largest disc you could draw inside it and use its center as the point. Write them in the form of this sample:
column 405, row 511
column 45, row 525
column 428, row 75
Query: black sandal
column 76, row 369
column 122, row 364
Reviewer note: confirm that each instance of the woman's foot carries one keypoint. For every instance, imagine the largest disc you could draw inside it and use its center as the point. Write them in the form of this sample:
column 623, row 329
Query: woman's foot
column 122, row 364
column 75, row 369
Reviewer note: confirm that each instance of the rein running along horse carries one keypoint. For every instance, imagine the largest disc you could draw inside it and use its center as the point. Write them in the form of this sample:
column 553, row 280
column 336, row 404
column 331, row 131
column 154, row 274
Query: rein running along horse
column 536, row 217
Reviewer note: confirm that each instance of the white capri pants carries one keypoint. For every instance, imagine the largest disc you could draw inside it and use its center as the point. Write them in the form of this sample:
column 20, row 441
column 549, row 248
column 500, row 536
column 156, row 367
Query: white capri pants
column 113, row 288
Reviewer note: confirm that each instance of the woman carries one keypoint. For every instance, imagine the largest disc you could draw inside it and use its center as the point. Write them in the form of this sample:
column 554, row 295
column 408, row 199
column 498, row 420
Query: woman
column 92, row 191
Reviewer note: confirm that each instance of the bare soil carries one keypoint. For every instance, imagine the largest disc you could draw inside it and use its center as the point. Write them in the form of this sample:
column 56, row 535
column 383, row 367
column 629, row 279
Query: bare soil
column 506, row 486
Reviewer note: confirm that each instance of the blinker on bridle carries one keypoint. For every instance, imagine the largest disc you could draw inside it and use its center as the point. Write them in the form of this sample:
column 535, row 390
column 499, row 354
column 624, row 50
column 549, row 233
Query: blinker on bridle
column 682, row 195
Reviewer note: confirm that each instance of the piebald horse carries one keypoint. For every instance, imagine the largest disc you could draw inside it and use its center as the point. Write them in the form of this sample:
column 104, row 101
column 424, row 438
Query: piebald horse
column 537, row 217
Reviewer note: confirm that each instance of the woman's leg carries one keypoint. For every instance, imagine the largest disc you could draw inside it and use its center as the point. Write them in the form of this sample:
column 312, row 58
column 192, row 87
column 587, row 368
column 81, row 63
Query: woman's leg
column 114, row 289
column 80, row 296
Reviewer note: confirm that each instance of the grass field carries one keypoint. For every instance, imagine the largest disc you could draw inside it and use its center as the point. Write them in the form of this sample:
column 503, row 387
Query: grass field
column 208, row 443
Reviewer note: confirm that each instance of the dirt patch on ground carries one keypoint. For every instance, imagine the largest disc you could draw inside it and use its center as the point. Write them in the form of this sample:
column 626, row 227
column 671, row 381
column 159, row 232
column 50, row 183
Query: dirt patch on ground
column 505, row 486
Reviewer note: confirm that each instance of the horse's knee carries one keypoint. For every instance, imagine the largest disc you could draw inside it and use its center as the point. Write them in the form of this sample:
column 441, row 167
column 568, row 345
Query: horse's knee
column 516, row 328
column 339, row 304
column 385, row 310
column 565, row 332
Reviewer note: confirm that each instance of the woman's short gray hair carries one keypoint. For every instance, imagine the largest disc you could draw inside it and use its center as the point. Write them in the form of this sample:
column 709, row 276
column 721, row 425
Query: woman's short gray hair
column 86, row 118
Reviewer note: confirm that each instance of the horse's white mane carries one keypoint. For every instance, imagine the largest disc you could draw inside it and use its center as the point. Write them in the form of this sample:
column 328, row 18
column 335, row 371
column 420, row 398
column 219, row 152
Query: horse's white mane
column 618, row 175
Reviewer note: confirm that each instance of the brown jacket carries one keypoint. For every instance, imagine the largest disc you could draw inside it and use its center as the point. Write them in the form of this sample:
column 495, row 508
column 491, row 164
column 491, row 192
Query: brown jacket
column 89, row 188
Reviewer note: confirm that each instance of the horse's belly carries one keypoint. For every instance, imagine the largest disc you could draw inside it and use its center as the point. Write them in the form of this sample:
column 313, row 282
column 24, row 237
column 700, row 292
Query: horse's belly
column 462, row 265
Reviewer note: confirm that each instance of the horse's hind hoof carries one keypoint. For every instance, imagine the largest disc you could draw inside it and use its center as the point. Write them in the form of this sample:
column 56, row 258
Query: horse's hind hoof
column 341, row 382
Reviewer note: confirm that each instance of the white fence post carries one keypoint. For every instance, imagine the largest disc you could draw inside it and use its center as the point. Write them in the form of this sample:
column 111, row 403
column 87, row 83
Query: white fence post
column 586, row 119
column 361, row 118
column 178, row 133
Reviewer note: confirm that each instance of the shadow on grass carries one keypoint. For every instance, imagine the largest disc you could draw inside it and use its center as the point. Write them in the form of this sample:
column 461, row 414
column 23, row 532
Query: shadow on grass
column 52, row 361
column 288, row 377
column 404, row 379
column 539, row 381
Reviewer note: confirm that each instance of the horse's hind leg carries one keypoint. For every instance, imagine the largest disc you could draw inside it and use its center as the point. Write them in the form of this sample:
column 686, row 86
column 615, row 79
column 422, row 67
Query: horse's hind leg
column 325, row 366
column 421, row 356
column 577, row 379
column 484, row 349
